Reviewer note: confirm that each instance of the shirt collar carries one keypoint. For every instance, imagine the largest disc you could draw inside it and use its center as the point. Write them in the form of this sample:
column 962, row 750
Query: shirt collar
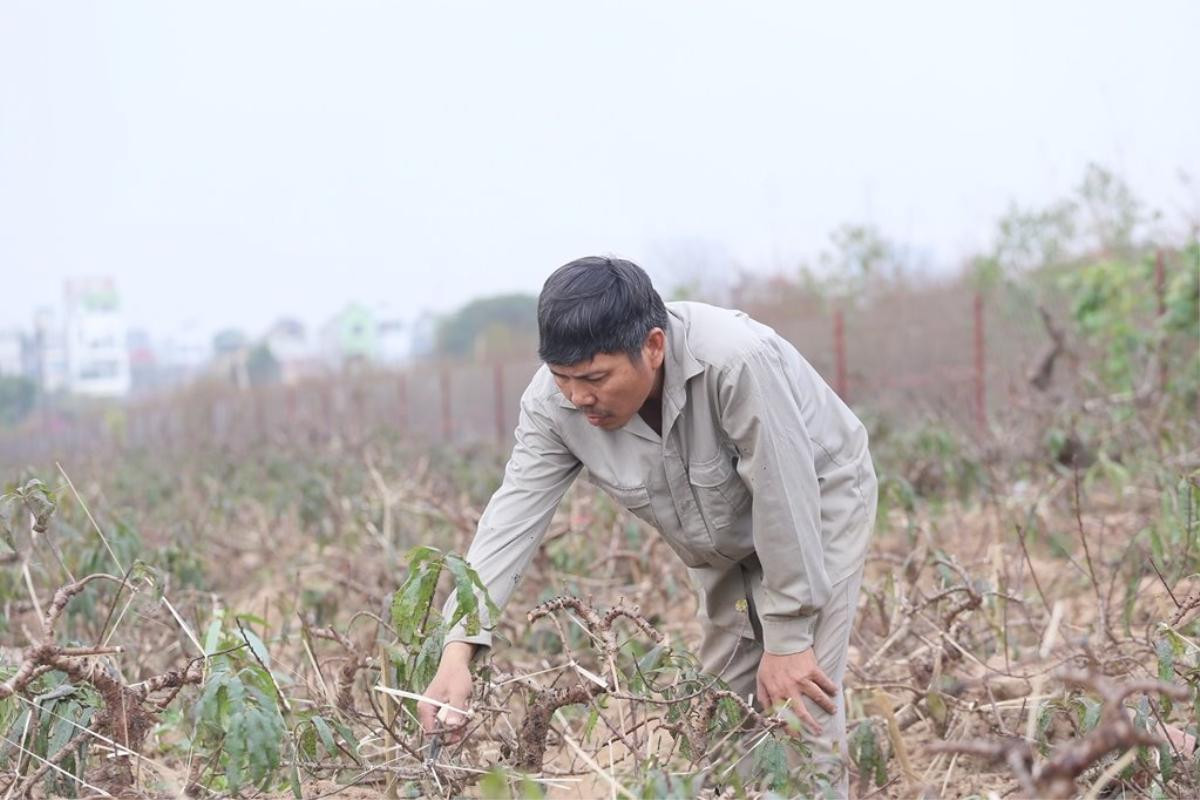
column 681, row 367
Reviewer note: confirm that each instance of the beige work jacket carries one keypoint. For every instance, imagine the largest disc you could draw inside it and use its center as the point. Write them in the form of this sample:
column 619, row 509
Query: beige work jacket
column 761, row 480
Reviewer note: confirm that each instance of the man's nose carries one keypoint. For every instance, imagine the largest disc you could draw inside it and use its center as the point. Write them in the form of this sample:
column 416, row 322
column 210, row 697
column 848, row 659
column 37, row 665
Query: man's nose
column 581, row 397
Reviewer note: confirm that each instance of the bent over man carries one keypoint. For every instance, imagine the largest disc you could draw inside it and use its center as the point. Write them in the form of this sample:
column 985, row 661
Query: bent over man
column 713, row 429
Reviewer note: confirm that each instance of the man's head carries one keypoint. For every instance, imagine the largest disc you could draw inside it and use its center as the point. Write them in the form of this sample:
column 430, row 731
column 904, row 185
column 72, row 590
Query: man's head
column 602, row 333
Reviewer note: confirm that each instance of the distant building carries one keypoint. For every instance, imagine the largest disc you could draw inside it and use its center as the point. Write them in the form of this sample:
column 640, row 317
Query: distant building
column 287, row 341
column 228, row 341
column 185, row 351
column 423, row 336
column 12, row 354
column 143, row 365
column 393, row 337
column 97, row 362
column 231, row 351
column 350, row 336
column 49, row 351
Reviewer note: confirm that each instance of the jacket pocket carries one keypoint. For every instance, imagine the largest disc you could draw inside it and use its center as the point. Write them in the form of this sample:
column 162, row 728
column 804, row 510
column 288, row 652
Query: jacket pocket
column 719, row 491
column 635, row 499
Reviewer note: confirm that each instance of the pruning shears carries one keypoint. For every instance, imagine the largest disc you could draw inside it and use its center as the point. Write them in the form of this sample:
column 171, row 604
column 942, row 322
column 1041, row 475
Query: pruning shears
column 435, row 747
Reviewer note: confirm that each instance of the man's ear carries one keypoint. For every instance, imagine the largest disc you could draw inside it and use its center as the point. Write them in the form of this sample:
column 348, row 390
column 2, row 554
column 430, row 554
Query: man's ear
column 655, row 348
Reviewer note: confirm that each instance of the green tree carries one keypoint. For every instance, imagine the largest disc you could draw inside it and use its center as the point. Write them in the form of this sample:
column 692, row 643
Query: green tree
column 261, row 365
column 1112, row 214
column 460, row 334
column 17, row 398
column 864, row 261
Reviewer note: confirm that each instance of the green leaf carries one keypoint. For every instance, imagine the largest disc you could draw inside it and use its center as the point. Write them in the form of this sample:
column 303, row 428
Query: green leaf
column 531, row 789
column 650, row 661
column 308, row 742
column 235, row 752
column 347, row 736
column 494, row 785
column 428, row 658
column 477, row 582
column 412, row 601
column 213, row 636
column 62, row 728
column 326, row 734
column 1166, row 762
column 1044, row 718
column 1166, row 669
column 256, row 646
column 771, row 757
column 420, row 554
column 253, row 619
column 937, row 711
column 593, row 718
column 866, row 754
column 1091, row 714
column 9, row 744
column 467, row 606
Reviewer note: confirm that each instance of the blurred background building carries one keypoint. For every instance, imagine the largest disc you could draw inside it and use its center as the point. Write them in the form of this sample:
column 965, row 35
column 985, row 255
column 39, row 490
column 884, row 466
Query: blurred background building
column 95, row 351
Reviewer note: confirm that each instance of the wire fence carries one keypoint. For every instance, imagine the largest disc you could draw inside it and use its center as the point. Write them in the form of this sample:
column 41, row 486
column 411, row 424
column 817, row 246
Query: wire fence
column 946, row 352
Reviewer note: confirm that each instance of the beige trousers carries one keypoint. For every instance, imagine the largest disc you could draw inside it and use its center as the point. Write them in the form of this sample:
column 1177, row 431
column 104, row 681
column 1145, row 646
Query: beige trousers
column 735, row 660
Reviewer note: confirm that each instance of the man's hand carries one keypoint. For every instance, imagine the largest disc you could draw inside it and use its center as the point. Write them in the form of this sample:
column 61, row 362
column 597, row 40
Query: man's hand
column 793, row 677
column 451, row 685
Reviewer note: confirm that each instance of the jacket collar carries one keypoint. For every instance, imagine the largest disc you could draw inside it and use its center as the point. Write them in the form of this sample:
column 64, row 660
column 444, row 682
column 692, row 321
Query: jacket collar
column 681, row 367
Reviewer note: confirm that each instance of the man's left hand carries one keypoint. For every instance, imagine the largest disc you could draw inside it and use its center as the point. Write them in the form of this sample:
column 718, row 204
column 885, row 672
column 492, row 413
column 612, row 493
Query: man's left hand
column 791, row 678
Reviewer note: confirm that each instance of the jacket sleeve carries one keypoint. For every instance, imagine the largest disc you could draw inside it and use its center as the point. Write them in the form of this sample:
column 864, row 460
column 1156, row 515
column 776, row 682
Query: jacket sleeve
column 761, row 410
column 538, row 474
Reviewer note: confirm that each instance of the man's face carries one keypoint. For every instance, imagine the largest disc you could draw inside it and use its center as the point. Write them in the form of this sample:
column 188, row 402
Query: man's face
column 612, row 387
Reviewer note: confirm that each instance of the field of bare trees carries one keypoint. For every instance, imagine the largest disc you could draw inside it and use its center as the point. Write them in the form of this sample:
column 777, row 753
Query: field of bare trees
column 222, row 620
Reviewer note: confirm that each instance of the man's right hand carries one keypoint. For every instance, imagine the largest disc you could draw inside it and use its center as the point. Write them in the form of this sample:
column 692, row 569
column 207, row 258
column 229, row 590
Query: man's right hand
column 451, row 685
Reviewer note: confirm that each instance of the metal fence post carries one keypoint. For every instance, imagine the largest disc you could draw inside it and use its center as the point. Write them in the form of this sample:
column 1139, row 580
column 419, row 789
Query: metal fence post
column 402, row 404
column 327, row 412
column 980, row 376
column 839, row 356
column 1160, row 289
column 447, row 420
column 498, row 391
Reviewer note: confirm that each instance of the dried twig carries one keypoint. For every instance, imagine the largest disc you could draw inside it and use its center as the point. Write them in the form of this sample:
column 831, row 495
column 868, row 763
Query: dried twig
column 355, row 661
column 532, row 738
column 123, row 718
column 1041, row 375
column 1055, row 777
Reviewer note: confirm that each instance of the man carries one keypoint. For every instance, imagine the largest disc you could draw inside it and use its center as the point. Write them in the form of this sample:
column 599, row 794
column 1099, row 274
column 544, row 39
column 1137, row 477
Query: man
column 714, row 430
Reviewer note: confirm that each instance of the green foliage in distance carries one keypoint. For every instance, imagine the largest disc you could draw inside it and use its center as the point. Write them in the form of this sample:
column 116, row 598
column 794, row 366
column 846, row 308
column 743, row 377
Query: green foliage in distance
column 1113, row 305
column 459, row 334
column 261, row 365
column 17, row 398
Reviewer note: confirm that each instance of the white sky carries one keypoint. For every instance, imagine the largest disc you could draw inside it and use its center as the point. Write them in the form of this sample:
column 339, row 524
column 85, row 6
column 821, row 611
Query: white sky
column 232, row 162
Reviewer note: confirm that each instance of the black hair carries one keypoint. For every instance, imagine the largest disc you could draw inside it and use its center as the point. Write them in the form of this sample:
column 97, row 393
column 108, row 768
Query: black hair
column 597, row 305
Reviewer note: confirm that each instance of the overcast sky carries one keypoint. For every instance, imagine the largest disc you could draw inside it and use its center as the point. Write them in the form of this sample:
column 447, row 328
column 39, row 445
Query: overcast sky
column 233, row 162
